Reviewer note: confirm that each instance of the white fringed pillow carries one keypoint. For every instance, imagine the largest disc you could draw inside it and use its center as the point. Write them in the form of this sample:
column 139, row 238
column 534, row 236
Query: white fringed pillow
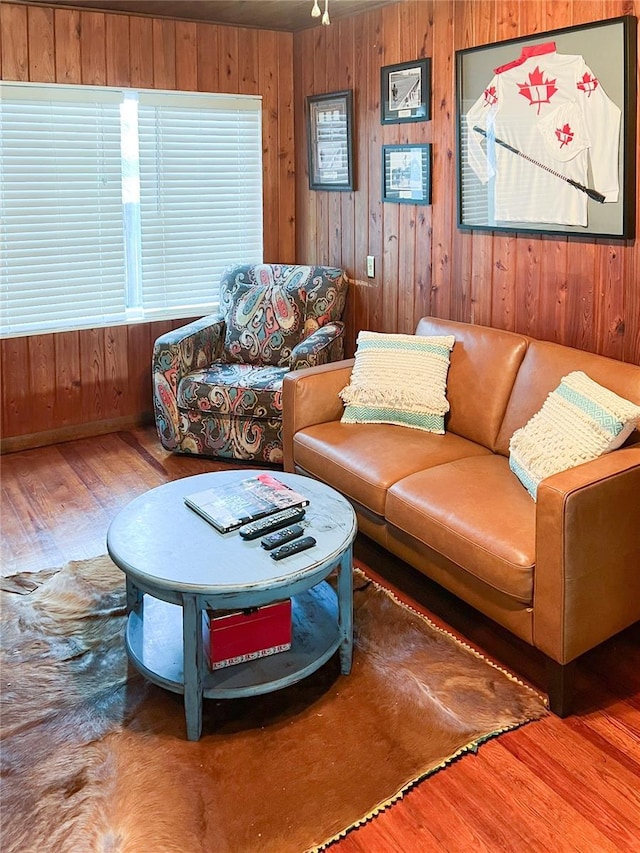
column 399, row 379
column 579, row 421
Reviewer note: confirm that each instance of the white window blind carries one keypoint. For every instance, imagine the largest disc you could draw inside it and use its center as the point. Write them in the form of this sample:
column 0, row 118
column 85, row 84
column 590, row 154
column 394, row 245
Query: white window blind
column 61, row 231
column 477, row 198
column 122, row 205
column 200, row 196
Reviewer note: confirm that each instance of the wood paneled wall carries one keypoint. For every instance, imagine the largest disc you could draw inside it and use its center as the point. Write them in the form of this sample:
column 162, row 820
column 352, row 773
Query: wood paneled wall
column 584, row 293
column 69, row 384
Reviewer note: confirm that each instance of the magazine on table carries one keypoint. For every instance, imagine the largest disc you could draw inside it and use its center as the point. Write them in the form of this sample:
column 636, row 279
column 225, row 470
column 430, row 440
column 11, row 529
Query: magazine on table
column 229, row 506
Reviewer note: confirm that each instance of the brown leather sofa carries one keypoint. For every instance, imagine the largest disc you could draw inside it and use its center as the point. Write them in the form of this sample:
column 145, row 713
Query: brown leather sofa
column 562, row 573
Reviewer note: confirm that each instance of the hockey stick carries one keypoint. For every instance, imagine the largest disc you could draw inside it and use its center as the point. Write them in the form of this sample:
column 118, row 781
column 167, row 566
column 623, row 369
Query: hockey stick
column 594, row 194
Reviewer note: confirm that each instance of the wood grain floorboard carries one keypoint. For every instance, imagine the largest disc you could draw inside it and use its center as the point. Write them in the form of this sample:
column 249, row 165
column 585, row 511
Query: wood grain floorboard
column 565, row 786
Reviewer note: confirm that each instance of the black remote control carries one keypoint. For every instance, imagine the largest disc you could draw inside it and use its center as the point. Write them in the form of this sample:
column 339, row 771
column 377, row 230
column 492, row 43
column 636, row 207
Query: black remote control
column 293, row 547
column 271, row 522
column 281, row 536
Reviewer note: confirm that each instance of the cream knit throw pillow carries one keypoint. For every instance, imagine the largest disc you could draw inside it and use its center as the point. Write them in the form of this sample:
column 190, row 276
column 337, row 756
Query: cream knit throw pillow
column 399, row 379
column 579, row 421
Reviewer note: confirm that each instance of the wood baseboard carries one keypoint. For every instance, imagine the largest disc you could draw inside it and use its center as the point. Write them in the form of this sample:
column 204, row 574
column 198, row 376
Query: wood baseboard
column 15, row 443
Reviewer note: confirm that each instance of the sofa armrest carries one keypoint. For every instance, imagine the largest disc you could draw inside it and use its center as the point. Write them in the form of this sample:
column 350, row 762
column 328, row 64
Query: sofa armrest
column 587, row 575
column 175, row 354
column 311, row 397
column 323, row 345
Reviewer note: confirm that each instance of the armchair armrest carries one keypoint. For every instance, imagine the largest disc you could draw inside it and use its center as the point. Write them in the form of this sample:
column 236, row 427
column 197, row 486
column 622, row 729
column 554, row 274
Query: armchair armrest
column 175, row 354
column 322, row 346
column 194, row 345
column 587, row 575
column 311, row 397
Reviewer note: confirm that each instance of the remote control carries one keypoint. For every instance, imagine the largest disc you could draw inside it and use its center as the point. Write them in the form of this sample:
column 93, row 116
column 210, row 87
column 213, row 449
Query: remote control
column 281, row 536
column 293, row 547
column 271, row 522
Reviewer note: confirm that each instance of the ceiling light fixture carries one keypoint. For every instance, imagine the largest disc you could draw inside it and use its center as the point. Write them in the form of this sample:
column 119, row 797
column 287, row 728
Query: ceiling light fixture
column 315, row 12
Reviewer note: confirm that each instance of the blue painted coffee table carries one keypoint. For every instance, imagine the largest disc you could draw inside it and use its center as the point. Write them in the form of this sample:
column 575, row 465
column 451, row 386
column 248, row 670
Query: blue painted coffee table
column 177, row 566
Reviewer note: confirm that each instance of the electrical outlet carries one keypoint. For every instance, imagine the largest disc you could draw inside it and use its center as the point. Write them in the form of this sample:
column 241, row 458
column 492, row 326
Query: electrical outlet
column 371, row 266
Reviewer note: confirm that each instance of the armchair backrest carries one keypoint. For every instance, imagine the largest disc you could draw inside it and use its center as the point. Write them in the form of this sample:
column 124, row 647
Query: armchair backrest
column 270, row 308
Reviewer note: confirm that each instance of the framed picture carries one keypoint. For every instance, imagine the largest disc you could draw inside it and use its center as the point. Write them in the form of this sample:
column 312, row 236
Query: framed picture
column 405, row 91
column 406, row 174
column 329, row 140
column 546, row 132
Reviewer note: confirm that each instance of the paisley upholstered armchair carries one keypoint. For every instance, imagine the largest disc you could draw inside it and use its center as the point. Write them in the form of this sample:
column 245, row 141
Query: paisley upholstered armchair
column 217, row 382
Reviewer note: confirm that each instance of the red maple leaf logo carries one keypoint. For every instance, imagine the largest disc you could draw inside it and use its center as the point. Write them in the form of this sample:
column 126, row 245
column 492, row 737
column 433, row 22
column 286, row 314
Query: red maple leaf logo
column 538, row 90
column 490, row 97
column 588, row 84
column 564, row 135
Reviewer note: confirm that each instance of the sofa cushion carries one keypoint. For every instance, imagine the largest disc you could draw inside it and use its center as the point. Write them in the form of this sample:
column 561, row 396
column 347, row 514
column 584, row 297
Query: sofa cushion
column 363, row 460
column 485, row 360
column 399, row 379
column 474, row 512
column 579, row 421
column 542, row 369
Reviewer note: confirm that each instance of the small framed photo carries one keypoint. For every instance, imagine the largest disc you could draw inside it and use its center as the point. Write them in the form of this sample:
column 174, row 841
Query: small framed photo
column 405, row 92
column 406, row 174
column 329, row 141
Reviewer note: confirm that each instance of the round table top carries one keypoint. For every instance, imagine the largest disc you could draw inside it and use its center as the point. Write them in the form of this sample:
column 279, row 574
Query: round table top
column 157, row 540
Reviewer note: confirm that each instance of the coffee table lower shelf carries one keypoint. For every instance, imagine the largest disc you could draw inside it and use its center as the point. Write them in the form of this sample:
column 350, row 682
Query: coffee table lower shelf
column 154, row 642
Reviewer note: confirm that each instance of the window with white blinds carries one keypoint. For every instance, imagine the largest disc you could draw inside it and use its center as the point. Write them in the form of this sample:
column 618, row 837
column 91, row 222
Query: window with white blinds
column 122, row 205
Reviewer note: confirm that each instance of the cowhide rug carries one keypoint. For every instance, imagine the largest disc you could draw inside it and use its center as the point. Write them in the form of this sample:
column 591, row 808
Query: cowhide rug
column 95, row 760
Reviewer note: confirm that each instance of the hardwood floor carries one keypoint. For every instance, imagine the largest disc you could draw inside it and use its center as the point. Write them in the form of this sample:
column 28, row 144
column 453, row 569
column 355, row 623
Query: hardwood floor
column 555, row 785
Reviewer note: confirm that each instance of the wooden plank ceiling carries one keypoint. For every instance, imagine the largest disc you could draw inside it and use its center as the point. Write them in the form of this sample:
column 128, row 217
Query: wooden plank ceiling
column 288, row 15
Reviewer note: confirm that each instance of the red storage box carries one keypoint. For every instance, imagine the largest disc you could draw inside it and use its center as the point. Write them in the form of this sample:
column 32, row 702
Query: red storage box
column 240, row 635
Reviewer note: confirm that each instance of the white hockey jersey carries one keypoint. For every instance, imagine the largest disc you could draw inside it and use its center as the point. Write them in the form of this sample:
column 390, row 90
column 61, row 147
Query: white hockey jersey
column 552, row 108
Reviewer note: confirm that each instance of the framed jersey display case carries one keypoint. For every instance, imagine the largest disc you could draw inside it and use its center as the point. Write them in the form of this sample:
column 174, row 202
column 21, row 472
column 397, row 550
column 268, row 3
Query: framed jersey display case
column 546, row 132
